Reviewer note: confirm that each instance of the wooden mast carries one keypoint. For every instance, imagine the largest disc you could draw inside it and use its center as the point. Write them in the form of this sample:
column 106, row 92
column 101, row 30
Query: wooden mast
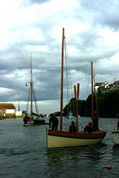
column 92, row 90
column 31, row 87
column 76, row 96
column 62, row 80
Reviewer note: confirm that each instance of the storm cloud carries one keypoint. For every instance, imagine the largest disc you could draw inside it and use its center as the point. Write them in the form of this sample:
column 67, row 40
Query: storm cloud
column 35, row 26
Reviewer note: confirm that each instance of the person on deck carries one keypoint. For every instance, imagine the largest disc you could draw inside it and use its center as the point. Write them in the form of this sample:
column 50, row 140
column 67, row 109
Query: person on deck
column 53, row 122
column 88, row 127
column 25, row 119
column 72, row 127
column 50, row 121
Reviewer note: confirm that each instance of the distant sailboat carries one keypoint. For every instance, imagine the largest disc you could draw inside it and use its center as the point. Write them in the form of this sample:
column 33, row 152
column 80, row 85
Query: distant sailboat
column 32, row 118
column 60, row 138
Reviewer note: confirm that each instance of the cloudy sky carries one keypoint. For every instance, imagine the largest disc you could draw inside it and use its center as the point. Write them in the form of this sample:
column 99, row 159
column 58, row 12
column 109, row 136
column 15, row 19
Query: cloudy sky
column 35, row 26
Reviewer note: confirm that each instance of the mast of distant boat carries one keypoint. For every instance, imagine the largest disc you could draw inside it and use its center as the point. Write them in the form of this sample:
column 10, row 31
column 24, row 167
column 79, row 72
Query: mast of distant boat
column 31, row 87
column 62, row 80
column 92, row 91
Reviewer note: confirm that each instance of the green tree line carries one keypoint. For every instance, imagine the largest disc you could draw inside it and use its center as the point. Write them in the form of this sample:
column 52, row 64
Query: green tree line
column 106, row 105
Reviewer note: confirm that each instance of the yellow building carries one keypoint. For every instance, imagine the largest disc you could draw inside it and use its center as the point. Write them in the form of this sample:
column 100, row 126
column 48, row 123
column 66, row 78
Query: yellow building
column 7, row 110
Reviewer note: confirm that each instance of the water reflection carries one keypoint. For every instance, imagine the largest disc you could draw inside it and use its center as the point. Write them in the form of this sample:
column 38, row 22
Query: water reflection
column 77, row 153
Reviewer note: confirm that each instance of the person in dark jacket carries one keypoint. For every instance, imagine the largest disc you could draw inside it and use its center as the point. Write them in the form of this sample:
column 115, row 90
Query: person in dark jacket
column 25, row 119
column 72, row 127
column 53, row 122
column 50, row 121
column 88, row 127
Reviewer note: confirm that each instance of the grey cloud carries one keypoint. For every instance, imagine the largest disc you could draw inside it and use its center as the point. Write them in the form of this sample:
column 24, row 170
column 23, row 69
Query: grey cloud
column 102, row 12
column 46, row 65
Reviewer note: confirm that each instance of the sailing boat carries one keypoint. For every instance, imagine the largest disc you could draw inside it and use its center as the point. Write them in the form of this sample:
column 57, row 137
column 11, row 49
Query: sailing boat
column 32, row 118
column 61, row 138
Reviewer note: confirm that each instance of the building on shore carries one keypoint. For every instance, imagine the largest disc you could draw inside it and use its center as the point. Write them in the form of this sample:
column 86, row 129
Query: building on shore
column 7, row 110
column 104, row 87
column 19, row 114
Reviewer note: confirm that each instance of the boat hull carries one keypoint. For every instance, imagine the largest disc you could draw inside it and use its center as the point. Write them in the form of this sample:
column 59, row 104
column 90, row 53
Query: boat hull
column 67, row 139
column 115, row 136
column 38, row 121
column 30, row 120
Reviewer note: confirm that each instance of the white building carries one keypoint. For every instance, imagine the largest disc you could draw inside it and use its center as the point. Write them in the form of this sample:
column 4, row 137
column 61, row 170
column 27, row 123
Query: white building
column 7, row 110
column 104, row 87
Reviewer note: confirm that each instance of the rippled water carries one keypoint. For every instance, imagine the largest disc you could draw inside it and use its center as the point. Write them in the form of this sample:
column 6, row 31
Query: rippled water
column 23, row 154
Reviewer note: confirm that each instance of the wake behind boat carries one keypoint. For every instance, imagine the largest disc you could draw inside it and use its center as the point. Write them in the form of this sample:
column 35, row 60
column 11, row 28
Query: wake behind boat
column 60, row 138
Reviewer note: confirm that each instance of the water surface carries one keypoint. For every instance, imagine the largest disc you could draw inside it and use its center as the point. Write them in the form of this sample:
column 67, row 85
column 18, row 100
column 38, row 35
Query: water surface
column 23, row 154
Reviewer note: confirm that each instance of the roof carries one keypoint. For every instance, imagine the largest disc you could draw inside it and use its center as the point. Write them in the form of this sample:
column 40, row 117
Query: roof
column 7, row 106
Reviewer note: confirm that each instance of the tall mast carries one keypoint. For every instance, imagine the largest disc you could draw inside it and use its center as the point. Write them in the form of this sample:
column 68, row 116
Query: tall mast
column 76, row 96
column 31, row 86
column 92, row 89
column 62, row 80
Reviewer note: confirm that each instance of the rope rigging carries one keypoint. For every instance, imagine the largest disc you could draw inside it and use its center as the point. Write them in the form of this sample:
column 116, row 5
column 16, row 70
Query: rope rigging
column 69, row 86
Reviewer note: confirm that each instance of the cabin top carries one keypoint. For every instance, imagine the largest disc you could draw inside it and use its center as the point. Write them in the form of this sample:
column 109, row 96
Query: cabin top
column 7, row 106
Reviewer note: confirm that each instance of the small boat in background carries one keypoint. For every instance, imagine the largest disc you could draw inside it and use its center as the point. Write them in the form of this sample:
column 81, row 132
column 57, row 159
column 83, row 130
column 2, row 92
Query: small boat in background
column 31, row 117
column 70, row 116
